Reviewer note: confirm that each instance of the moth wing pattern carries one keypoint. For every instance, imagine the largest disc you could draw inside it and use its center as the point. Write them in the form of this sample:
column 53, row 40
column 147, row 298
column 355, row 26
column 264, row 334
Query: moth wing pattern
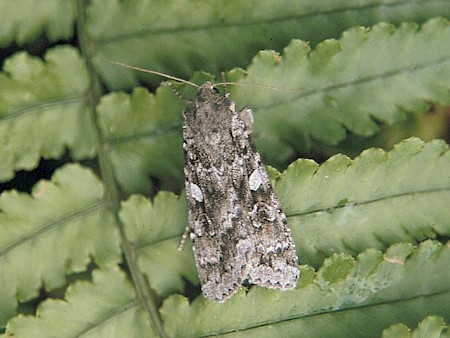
column 237, row 227
column 274, row 261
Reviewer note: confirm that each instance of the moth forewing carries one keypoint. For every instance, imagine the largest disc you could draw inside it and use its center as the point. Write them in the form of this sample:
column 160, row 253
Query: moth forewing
column 238, row 229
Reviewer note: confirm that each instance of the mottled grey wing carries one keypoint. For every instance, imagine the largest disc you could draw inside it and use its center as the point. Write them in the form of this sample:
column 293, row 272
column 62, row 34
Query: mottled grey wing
column 238, row 229
column 213, row 168
column 274, row 262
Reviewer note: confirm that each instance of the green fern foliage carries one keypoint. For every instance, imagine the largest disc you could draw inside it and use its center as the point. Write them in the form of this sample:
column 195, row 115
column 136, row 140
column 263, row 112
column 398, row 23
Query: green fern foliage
column 321, row 96
column 155, row 229
column 140, row 128
column 373, row 201
column 25, row 20
column 44, row 110
column 105, row 307
column 57, row 230
column 431, row 326
column 366, row 79
column 343, row 294
column 372, row 280
column 215, row 40
column 92, row 251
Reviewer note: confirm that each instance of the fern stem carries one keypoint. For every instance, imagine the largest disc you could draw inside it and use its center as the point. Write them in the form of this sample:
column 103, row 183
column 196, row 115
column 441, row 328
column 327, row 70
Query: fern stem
column 145, row 294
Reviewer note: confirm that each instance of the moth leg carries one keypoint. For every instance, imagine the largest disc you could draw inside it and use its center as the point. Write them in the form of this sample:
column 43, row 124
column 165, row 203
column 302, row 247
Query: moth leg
column 177, row 93
column 182, row 242
column 224, row 80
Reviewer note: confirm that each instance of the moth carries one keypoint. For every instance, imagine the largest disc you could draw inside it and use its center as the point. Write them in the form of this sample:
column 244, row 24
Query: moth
column 237, row 227
column 235, row 221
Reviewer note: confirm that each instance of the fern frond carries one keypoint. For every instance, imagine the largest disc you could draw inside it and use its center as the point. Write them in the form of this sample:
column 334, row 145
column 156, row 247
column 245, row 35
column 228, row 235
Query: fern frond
column 44, row 110
column 22, row 21
column 431, row 326
column 367, row 78
column 144, row 134
column 103, row 307
column 215, row 40
column 57, row 230
column 155, row 229
column 377, row 199
column 338, row 301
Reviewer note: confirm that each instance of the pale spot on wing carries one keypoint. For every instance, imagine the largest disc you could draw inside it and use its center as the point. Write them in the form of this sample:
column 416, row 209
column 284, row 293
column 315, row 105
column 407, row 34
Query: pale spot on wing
column 196, row 193
column 255, row 180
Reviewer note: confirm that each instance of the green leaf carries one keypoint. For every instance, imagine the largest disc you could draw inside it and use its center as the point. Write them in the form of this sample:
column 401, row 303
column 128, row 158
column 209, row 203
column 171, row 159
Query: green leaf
column 335, row 304
column 431, row 326
column 377, row 199
column 57, row 230
column 366, row 78
column 215, row 39
column 105, row 307
column 155, row 229
column 333, row 92
column 144, row 136
column 24, row 20
column 44, row 110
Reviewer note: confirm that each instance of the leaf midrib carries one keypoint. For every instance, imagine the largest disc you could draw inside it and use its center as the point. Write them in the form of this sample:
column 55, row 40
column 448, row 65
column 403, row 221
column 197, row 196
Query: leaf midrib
column 327, row 312
column 43, row 229
column 37, row 107
column 366, row 202
column 250, row 23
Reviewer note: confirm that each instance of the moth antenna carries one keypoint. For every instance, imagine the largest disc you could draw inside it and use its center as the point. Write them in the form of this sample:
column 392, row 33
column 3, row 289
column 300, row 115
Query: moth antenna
column 154, row 72
column 223, row 83
column 257, row 85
